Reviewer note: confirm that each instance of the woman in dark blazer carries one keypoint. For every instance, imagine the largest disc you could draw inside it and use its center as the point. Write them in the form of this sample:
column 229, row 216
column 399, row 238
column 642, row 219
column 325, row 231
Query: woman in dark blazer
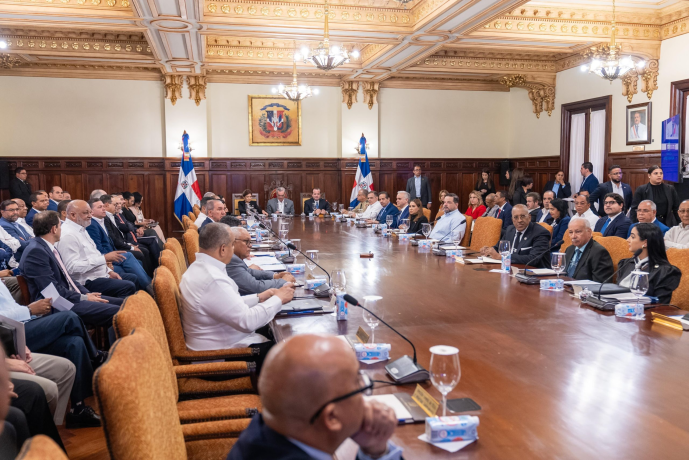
column 416, row 217
column 558, row 209
column 663, row 278
column 522, row 189
column 485, row 184
column 564, row 190
column 247, row 195
column 663, row 195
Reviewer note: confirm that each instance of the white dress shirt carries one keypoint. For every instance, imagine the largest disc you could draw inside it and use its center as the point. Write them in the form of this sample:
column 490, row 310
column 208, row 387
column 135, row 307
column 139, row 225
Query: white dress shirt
column 21, row 221
column 79, row 253
column 394, row 452
column 214, row 315
column 617, row 189
column 10, row 308
column 589, row 215
column 199, row 220
column 417, row 186
column 677, row 237
column 372, row 211
column 281, row 206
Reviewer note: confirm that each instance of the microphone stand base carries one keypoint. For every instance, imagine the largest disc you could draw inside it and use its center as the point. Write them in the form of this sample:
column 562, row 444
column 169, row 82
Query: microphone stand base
column 527, row 279
column 287, row 259
column 405, row 370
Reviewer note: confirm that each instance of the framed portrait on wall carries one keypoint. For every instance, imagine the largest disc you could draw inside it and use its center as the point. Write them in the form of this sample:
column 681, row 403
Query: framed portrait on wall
column 639, row 124
column 274, row 120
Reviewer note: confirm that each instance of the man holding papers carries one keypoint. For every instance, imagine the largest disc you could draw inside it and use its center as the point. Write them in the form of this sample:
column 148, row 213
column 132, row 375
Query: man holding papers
column 251, row 279
column 586, row 258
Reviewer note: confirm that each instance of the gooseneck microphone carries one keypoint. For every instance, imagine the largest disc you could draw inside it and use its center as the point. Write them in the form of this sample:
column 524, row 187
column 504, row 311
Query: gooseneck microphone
column 523, row 278
column 286, row 259
column 404, row 369
column 293, row 247
column 637, row 253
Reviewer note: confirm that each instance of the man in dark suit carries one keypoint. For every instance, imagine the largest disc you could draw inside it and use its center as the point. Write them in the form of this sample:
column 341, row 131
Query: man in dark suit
column 590, row 182
column 135, row 235
column 39, row 203
column 10, row 214
column 19, row 187
column 559, row 187
column 215, row 210
column 616, row 223
column 403, row 205
column 325, row 406
column 316, row 204
column 586, row 258
column 388, row 209
column 528, row 240
column 615, row 185
column 505, row 211
column 42, row 265
column 533, row 204
column 419, row 187
column 54, row 197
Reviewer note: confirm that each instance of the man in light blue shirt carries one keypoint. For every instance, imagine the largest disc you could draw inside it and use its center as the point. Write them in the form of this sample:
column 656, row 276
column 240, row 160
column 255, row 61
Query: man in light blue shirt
column 451, row 222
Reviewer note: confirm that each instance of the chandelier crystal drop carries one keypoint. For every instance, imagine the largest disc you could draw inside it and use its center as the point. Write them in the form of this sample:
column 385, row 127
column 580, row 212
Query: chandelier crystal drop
column 606, row 60
column 325, row 56
column 295, row 91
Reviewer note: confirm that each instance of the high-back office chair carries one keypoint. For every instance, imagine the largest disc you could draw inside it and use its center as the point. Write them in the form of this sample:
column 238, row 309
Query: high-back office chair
column 196, row 210
column 467, row 233
column 547, row 227
column 486, row 233
column 617, row 247
column 186, row 221
column 680, row 259
column 137, row 403
column 427, row 213
column 173, row 245
column 169, row 261
column 191, row 244
column 41, row 447
column 567, row 242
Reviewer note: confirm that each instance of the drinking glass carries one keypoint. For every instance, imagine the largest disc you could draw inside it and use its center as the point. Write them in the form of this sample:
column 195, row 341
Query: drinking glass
column 388, row 220
column 404, row 225
column 350, row 209
column 311, row 258
column 250, row 221
column 426, row 229
column 338, row 280
column 638, row 285
column 372, row 303
column 557, row 262
column 341, row 208
column 283, row 234
column 334, row 206
column 504, row 247
column 456, row 237
column 445, row 370
column 297, row 244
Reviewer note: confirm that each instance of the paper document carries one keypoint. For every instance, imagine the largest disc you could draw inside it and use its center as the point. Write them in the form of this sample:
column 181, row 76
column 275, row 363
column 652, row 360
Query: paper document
column 450, row 246
column 496, row 270
column 628, row 297
column 448, row 446
column 261, row 261
column 488, row 260
column 20, row 338
column 579, row 282
column 262, row 254
column 541, row 271
column 59, row 303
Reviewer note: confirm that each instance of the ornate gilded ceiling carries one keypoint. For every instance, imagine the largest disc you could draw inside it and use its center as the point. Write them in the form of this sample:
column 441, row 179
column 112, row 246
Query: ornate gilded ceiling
column 454, row 44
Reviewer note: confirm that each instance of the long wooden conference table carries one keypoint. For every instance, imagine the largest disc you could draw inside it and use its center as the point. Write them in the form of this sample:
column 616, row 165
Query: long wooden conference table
column 554, row 379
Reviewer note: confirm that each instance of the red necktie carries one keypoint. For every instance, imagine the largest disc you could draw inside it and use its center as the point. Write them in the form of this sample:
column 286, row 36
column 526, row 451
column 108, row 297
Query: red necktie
column 122, row 221
column 64, row 270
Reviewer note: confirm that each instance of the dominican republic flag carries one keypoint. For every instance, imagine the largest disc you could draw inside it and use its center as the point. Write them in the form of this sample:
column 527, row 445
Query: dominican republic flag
column 188, row 193
column 363, row 179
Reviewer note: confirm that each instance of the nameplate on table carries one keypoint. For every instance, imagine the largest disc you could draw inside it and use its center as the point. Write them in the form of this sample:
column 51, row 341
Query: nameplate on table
column 362, row 335
column 424, row 399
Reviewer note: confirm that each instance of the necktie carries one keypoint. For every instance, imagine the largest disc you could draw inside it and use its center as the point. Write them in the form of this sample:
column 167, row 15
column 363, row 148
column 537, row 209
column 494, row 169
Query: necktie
column 131, row 233
column 64, row 270
column 21, row 231
column 605, row 226
column 499, row 212
column 515, row 243
column 315, row 202
column 573, row 264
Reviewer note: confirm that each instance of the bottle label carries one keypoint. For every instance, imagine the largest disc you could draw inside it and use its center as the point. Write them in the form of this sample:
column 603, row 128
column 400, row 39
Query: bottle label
column 342, row 307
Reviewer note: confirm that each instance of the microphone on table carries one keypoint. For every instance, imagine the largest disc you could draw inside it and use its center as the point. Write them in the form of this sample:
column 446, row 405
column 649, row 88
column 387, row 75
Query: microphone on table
column 324, row 289
column 523, row 278
column 404, row 369
column 288, row 259
column 637, row 253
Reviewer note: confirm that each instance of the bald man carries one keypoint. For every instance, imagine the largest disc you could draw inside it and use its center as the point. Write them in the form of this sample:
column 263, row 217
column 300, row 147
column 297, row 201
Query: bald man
column 312, row 395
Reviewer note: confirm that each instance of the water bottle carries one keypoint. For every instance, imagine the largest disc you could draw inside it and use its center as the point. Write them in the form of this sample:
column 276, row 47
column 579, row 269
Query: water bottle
column 506, row 262
column 629, row 310
column 259, row 236
column 341, row 305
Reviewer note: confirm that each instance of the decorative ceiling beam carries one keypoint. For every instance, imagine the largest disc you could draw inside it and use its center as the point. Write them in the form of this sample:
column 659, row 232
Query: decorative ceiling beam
column 542, row 95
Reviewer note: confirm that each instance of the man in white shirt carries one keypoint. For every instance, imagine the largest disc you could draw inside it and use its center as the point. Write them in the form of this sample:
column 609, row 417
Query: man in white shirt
column 452, row 224
column 84, row 263
column 214, row 315
column 637, row 132
column 202, row 215
column 584, row 211
column 678, row 236
column 374, row 207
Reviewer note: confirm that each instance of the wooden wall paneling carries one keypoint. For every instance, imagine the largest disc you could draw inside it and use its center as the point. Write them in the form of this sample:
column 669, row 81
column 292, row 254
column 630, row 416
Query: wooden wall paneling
column 256, row 182
column 468, row 185
column 238, row 183
column 51, row 179
column 74, row 184
column 452, row 182
column 135, row 182
column 218, row 182
column 155, row 188
column 93, row 181
column 294, row 179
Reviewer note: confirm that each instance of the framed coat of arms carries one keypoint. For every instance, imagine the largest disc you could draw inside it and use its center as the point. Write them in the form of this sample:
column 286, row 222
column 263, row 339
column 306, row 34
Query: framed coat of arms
column 274, row 121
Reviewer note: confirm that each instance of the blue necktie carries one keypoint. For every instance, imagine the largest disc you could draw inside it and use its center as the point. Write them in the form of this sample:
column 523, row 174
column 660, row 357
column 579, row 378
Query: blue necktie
column 573, row 265
column 22, row 231
column 315, row 202
column 605, row 225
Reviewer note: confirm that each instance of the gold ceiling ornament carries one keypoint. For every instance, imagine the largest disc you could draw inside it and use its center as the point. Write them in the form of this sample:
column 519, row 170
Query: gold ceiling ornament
column 629, row 85
column 173, row 87
column 325, row 56
column 606, row 60
column 371, row 93
column 197, row 88
column 350, row 90
column 649, row 78
column 7, row 61
column 513, row 80
column 541, row 95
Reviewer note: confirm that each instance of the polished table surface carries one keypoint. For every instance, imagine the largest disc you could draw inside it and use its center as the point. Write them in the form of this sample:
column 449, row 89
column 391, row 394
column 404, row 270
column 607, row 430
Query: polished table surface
column 554, row 379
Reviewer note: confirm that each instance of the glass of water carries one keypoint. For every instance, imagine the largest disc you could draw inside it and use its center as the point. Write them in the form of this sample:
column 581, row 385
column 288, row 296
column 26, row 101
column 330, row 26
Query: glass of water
column 334, row 206
column 504, row 247
column 297, row 244
column 341, row 208
column 445, row 370
column 338, row 280
column 426, row 229
column 557, row 262
column 388, row 220
column 456, row 237
column 372, row 303
column 403, row 225
column 311, row 258
column 638, row 285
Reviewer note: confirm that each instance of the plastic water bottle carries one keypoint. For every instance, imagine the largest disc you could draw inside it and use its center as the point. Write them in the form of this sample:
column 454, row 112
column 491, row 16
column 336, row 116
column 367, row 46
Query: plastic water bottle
column 341, row 305
column 259, row 236
column 506, row 265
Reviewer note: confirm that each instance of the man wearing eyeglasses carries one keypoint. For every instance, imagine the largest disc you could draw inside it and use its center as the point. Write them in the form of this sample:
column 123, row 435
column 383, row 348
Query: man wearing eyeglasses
column 616, row 223
column 313, row 400
column 252, row 279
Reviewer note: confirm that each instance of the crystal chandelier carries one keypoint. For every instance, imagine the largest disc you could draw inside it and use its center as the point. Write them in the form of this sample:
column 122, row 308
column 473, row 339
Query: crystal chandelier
column 605, row 59
column 294, row 92
column 326, row 57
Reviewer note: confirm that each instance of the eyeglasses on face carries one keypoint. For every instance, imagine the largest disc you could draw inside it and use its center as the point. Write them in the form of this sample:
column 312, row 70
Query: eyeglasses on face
column 610, row 203
column 366, row 387
column 247, row 241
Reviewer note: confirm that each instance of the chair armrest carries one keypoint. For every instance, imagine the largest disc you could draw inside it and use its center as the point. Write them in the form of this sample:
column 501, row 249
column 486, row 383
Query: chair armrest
column 233, row 369
column 230, row 354
column 219, row 408
column 214, row 430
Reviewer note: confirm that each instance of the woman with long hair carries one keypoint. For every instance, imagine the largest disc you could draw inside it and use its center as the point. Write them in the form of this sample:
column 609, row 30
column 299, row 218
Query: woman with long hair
column 663, row 278
column 558, row 209
column 416, row 217
column 663, row 195
column 485, row 184
column 136, row 210
column 441, row 198
column 515, row 179
column 476, row 207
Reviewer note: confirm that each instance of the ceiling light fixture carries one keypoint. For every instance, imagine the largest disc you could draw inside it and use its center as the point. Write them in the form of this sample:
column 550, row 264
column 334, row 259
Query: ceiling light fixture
column 295, row 92
column 325, row 56
column 3, row 44
column 605, row 59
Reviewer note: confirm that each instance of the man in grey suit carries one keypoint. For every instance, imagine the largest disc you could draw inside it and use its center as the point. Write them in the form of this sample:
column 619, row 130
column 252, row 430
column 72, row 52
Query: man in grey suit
column 419, row 187
column 251, row 279
column 280, row 205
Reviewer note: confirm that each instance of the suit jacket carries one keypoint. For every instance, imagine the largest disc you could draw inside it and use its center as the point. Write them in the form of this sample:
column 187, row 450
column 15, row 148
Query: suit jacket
column 663, row 228
column 242, row 207
column 206, row 222
column 590, row 184
column 404, row 214
column 250, row 281
column 535, row 240
column 662, row 279
column 20, row 189
column 389, row 210
column 52, row 205
column 618, row 227
column 562, row 192
column 118, row 239
column 559, row 230
column 425, row 190
column 536, row 217
column 605, row 188
column 129, row 215
column 127, row 228
column 415, row 227
column 104, row 243
column 519, row 196
column 310, row 203
column 40, row 268
column 14, row 233
column 644, row 192
column 505, row 215
column 29, row 216
column 595, row 263
column 272, row 206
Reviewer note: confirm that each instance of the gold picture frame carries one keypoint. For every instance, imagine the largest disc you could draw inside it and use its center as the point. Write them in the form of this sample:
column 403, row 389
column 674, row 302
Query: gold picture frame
column 272, row 121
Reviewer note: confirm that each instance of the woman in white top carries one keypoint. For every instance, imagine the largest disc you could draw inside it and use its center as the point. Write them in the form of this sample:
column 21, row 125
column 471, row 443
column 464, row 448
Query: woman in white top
column 139, row 215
